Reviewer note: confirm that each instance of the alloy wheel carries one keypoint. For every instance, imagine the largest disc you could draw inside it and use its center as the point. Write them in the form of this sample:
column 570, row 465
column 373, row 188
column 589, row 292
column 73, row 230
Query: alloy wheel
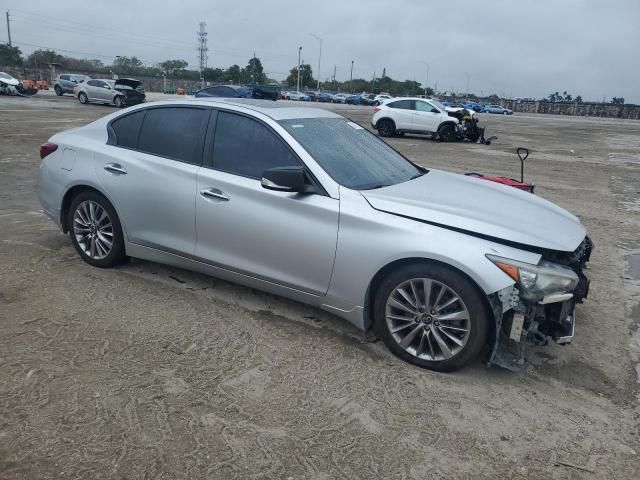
column 93, row 230
column 427, row 319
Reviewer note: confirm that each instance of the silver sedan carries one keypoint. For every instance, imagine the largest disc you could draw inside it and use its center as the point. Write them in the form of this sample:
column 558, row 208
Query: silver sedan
column 304, row 203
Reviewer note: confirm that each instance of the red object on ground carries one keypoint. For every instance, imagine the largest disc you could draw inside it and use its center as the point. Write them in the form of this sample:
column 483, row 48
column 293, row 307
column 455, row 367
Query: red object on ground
column 180, row 91
column 527, row 187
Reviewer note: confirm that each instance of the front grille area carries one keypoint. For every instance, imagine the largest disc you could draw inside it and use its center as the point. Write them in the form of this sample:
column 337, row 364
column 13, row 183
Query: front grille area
column 576, row 260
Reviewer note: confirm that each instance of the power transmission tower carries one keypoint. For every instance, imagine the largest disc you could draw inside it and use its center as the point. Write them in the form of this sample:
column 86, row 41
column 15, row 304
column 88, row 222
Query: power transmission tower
column 202, row 51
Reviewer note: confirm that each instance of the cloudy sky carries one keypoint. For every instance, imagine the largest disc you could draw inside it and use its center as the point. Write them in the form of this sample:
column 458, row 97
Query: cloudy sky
column 510, row 47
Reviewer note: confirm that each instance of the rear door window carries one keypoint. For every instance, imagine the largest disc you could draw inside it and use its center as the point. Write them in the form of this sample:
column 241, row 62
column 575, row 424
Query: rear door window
column 175, row 132
column 246, row 147
column 402, row 104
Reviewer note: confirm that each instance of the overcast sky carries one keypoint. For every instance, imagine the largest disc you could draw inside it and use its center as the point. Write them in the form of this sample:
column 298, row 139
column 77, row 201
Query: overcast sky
column 514, row 47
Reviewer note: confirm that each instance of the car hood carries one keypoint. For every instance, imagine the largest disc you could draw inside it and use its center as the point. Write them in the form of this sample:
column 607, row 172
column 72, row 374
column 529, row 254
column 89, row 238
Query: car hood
column 483, row 208
column 129, row 82
column 10, row 80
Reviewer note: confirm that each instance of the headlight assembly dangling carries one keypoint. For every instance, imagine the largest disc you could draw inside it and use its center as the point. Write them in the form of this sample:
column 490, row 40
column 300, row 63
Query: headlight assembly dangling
column 537, row 281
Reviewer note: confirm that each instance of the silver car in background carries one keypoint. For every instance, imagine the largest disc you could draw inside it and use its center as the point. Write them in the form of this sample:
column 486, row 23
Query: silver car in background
column 120, row 92
column 304, row 203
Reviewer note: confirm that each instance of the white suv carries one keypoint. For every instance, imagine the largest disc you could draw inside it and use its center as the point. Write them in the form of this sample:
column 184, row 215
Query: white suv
column 414, row 115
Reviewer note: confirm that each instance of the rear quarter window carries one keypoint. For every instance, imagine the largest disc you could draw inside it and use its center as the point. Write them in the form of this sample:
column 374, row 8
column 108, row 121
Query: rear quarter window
column 126, row 130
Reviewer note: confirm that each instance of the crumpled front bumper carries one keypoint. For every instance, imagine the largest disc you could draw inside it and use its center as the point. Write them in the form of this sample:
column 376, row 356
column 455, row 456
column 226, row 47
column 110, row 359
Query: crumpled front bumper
column 521, row 323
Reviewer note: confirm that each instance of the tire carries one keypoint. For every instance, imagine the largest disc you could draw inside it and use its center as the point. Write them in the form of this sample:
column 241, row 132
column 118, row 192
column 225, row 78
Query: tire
column 386, row 127
column 119, row 101
column 58, row 91
column 92, row 221
column 427, row 340
column 505, row 113
column 447, row 132
column 82, row 98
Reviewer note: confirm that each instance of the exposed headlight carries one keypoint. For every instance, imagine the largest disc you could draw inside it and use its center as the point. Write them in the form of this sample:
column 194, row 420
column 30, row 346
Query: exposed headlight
column 540, row 280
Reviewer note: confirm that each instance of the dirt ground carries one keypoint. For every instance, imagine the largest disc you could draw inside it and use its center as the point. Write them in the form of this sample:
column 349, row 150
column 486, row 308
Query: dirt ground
column 145, row 371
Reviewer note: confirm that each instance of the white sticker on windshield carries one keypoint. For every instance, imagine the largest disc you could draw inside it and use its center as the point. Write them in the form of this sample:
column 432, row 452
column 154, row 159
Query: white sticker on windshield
column 297, row 126
column 355, row 125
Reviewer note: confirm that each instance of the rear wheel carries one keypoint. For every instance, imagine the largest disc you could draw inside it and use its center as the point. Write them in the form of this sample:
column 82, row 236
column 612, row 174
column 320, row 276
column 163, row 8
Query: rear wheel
column 95, row 230
column 431, row 316
column 447, row 133
column 82, row 98
column 58, row 90
column 386, row 127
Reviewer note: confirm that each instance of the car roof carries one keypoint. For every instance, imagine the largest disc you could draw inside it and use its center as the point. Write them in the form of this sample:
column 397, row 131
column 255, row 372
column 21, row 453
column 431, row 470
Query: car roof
column 275, row 110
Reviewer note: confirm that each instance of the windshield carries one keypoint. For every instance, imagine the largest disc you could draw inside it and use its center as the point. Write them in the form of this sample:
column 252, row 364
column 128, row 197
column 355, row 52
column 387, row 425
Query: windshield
column 437, row 104
column 350, row 154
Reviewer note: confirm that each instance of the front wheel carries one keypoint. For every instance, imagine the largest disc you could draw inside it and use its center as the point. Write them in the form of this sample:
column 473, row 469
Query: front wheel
column 432, row 316
column 82, row 98
column 95, row 230
column 119, row 101
column 386, row 127
column 505, row 113
column 447, row 133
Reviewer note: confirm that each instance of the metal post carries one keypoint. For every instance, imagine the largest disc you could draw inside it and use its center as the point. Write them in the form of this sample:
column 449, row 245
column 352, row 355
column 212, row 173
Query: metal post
column 8, row 29
column 351, row 78
column 299, row 53
column 253, row 69
column 426, row 81
column 319, row 58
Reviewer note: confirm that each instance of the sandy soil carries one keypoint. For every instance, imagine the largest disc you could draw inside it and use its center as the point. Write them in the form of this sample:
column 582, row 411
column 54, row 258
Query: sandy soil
column 150, row 372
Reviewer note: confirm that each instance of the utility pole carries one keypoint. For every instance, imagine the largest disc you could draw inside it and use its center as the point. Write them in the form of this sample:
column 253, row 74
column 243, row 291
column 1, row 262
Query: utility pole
column 202, row 51
column 351, row 78
column 319, row 58
column 253, row 69
column 334, row 76
column 8, row 29
column 299, row 53
column 426, row 82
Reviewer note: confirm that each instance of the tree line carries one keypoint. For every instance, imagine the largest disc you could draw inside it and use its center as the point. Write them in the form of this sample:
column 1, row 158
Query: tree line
column 253, row 72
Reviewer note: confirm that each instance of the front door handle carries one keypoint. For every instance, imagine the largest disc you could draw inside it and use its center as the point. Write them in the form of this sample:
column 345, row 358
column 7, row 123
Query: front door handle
column 214, row 193
column 115, row 168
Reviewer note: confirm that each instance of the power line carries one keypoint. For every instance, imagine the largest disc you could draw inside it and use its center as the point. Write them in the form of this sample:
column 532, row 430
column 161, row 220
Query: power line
column 93, row 28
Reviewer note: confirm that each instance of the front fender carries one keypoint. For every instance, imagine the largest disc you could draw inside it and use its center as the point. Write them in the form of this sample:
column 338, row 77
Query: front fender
column 369, row 240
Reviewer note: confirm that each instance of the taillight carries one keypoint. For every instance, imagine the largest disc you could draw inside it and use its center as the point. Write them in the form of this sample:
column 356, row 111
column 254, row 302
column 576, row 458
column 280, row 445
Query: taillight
column 47, row 149
column 377, row 109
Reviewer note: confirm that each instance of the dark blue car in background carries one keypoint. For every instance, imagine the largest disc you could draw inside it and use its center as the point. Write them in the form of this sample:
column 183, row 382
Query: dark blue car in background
column 265, row 92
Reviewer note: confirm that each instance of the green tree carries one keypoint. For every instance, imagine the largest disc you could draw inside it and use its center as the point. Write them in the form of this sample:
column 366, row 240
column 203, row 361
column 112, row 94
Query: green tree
column 127, row 65
column 173, row 67
column 254, row 71
column 306, row 76
column 617, row 100
column 568, row 97
column 578, row 99
column 10, row 56
column 42, row 57
column 233, row 74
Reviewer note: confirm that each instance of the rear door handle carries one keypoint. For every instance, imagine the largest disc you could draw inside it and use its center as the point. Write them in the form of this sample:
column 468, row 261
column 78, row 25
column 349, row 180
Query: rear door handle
column 214, row 193
column 115, row 168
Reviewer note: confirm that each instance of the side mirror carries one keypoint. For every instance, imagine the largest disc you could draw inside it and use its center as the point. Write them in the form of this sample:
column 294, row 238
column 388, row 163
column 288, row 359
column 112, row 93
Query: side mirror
column 435, row 110
column 286, row 179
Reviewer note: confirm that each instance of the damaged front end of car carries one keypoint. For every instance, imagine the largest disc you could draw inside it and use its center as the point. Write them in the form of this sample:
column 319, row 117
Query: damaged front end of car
column 541, row 303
